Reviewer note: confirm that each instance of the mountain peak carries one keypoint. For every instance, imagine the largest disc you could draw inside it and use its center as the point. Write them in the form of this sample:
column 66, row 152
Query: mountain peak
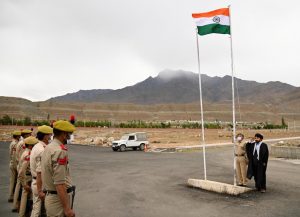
column 168, row 74
column 179, row 86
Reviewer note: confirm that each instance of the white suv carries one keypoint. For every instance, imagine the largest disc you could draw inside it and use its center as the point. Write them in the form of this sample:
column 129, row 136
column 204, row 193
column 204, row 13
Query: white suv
column 132, row 140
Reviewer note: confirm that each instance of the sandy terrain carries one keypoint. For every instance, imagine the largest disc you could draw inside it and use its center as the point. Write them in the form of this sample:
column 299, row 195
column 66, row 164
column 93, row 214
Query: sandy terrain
column 158, row 138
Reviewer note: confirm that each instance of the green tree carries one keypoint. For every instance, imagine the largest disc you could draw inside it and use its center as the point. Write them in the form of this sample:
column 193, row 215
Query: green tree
column 27, row 121
column 6, row 120
column 283, row 124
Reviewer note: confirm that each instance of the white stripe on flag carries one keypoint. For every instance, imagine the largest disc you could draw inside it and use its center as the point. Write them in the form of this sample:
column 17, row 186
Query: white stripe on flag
column 224, row 20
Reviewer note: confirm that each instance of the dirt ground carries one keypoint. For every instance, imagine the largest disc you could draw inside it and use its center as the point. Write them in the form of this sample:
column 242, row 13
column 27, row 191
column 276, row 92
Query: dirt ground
column 158, row 138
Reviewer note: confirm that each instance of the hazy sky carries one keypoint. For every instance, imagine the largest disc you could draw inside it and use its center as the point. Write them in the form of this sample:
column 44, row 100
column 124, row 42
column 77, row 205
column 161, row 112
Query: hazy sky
column 53, row 47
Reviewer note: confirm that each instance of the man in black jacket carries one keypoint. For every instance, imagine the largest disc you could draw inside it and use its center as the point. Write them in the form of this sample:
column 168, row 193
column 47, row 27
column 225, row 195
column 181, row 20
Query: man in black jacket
column 258, row 155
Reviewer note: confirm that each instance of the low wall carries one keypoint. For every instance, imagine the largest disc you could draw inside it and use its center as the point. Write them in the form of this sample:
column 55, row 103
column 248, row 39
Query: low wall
column 285, row 152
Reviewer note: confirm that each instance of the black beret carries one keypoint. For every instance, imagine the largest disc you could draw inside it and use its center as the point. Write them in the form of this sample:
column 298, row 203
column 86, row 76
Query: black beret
column 258, row 135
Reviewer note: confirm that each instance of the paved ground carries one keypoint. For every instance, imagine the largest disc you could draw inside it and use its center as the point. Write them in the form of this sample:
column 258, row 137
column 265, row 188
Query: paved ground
column 135, row 184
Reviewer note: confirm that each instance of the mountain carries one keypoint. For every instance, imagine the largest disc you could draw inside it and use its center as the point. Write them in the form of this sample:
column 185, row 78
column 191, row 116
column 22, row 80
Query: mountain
column 183, row 87
column 172, row 95
column 81, row 95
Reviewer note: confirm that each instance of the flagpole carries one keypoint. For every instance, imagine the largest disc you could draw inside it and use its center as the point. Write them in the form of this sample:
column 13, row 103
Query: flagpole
column 201, row 107
column 233, row 102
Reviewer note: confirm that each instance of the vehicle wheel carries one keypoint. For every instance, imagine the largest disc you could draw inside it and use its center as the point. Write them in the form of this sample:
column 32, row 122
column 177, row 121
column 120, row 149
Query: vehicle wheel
column 142, row 147
column 115, row 149
column 134, row 148
column 122, row 148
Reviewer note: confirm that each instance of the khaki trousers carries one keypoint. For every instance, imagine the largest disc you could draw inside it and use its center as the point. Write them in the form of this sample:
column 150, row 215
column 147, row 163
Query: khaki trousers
column 37, row 203
column 12, row 181
column 241, row 169
column 16, row 195
column 53, row 205
column 23, row 203
column 25, row 197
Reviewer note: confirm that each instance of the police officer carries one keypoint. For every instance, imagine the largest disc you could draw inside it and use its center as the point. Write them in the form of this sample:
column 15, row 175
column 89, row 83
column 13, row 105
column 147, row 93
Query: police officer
column 20, row 148
column 55, row 172
column 24, row 175
column 13, row 165
column 44, row 134
column 241, row 160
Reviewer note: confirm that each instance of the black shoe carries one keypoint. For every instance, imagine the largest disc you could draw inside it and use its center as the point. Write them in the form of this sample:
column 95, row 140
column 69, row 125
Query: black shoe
column 14, row 210
column 10, row 200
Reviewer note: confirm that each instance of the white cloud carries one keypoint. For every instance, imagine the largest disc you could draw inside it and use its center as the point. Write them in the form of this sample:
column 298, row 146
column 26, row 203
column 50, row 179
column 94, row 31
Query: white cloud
column 63, row 46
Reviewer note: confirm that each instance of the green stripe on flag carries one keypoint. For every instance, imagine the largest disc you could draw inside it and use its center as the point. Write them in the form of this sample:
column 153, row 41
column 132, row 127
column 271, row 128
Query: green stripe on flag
column 213, row 28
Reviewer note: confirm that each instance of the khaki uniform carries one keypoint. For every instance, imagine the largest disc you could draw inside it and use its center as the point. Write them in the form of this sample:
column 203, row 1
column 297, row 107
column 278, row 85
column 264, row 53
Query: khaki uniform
column 20, row 148
column 55, row 170
column 241, row 163
column 35, row 167
column 13, row 168
column 25, row 178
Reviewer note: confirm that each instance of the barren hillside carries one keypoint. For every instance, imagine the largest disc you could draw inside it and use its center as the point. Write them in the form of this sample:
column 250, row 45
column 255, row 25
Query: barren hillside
column 172, row 95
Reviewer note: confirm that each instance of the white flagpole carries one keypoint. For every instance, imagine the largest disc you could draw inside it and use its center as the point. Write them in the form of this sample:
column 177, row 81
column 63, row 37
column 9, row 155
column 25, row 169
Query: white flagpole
column 233, row 101
column 201, row 106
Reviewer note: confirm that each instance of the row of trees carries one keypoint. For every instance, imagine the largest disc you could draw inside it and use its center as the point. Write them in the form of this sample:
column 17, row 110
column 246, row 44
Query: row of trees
column 7, row 120
column 270, row 126
column 197, row 125
column 93, row 124
column 142, row 124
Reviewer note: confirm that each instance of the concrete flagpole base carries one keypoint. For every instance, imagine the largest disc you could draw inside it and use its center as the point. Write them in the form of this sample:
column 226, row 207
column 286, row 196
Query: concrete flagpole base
column 218, row 187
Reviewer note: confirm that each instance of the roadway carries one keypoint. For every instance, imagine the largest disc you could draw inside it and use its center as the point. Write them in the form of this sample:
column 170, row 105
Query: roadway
column 135, row 184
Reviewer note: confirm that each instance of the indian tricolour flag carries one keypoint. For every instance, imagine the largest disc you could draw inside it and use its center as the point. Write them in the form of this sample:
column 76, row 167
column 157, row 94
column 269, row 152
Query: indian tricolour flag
column 216, row 21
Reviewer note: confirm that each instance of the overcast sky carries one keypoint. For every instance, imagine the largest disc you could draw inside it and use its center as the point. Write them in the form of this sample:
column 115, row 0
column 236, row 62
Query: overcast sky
column 53, row 47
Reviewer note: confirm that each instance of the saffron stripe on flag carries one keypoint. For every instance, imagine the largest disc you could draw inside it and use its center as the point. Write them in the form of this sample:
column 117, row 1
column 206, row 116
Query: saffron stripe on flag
column 221, row 11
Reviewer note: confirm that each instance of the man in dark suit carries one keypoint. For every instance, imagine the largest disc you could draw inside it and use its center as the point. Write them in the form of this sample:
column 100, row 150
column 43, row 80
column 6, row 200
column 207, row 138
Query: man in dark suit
column 258, row 155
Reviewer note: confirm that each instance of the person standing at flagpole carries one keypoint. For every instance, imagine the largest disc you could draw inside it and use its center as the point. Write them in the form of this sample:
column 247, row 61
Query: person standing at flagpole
column 258, row 162
column 241, row 160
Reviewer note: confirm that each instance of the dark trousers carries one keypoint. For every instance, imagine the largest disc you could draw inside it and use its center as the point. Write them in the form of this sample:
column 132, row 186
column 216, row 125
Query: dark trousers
column 259, row 173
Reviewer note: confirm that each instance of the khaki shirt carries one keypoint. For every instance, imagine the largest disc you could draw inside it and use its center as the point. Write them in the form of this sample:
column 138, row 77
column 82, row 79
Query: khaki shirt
column 35, row 158
column 12, row 153
column 240, row 149
column 24, row 174
column 20, row 148
column 55, row 166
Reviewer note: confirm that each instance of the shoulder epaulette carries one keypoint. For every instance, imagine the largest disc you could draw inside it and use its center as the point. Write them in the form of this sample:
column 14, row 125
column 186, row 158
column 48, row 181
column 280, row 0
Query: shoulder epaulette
column 63, row 147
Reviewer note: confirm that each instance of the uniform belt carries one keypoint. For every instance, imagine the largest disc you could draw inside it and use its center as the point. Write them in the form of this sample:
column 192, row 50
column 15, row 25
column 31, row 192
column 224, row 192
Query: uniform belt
column 239, row 155
column 28, row 174
column 69, row 190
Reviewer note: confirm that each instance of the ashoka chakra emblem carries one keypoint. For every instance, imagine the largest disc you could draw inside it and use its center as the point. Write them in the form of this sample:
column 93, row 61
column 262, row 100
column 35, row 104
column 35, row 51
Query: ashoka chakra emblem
column 216, row 19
